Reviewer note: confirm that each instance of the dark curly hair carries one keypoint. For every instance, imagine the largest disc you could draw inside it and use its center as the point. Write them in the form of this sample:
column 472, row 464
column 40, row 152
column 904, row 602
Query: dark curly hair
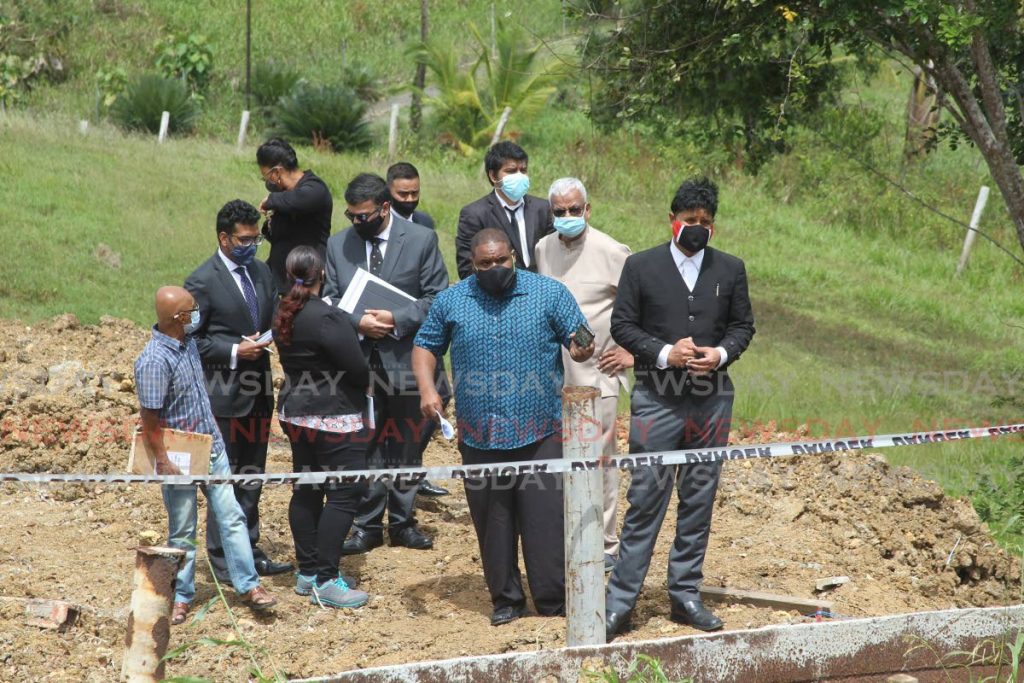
column 235, row 212
column 696, row 193
column 305, row 267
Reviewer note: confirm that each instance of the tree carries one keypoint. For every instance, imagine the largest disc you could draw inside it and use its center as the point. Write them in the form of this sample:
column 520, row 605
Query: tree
column 972, row 49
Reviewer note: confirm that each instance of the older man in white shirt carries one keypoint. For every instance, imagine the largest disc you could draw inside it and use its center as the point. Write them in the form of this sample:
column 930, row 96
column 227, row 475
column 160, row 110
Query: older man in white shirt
column 589, row 263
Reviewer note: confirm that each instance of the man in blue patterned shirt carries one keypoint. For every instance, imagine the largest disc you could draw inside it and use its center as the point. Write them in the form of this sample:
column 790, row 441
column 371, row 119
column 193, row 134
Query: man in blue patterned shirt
column 506, row 329
column 172, row 394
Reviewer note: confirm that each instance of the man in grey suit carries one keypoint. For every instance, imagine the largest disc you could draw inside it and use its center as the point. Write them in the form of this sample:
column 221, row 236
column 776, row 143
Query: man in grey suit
column 524, row 218
column 406, row 256
column 236, row 294
column 683, row 310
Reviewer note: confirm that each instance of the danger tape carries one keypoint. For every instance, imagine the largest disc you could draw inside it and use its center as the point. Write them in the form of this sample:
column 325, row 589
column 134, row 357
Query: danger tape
column 562, row 465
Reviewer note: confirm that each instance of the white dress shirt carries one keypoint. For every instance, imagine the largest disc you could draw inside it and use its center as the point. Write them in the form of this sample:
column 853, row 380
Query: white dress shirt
column 383, row 237
column 689, row 268
column 521, row 221
column 231, row 265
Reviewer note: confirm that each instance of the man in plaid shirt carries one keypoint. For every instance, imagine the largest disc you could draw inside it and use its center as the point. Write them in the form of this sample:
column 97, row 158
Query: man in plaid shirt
column 169, row 382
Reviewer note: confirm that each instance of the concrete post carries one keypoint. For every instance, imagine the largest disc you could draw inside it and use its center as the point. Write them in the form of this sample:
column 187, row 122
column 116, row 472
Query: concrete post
column 149, row 623
column 165, row 123
column 972, row 231
column 243, row 127
column 584, row 519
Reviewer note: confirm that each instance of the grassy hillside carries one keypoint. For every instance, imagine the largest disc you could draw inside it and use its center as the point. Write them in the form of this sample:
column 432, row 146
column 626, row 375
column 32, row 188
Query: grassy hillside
column 317, row 37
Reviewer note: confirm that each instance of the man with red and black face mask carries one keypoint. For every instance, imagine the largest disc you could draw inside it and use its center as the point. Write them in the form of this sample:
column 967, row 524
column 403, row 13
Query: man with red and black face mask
column 683, row 311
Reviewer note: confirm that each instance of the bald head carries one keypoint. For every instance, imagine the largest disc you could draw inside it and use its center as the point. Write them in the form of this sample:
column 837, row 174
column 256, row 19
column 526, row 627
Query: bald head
column 171, row 302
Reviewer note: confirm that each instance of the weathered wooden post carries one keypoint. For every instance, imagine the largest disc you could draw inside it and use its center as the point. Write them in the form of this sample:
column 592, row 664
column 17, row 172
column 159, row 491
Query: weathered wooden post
column 584, row 519
column 972, row 231
column 243, row 127
column 393, row 133
column 165, row 123
column 149, row 623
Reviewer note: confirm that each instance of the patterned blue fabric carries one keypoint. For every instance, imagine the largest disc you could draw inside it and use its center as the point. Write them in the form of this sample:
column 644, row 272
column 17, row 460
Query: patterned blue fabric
column 506, row 357
column 169, row 378
column 250, row 297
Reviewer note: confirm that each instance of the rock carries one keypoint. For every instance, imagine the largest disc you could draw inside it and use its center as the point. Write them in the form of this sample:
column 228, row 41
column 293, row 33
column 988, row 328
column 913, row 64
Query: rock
column 830, row 582
column 790, row 510
column 3, row 356
column 63, row 323
column 67, row 377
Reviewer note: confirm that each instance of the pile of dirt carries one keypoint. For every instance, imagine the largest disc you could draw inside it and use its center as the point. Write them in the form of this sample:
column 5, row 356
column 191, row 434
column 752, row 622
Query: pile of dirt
column 779, row 526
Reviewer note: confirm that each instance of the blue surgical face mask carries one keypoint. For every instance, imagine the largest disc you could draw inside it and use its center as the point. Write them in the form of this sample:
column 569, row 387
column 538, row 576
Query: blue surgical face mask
column 570, row 226
column 243, row 256
column 193, row 323
column 515, row 185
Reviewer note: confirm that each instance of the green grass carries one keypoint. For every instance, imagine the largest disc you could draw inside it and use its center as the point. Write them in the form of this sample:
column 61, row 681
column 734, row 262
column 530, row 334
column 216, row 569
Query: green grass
column 861, row 325
column 318, row 37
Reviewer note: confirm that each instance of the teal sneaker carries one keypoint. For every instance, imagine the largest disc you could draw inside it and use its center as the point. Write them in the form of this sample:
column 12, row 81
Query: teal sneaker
column 337, row 593
column 304, row 584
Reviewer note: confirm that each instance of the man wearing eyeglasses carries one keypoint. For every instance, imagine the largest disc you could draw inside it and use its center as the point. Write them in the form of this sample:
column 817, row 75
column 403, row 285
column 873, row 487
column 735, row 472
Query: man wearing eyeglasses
column 406, row 256
column 236, row 296
column 589, row 263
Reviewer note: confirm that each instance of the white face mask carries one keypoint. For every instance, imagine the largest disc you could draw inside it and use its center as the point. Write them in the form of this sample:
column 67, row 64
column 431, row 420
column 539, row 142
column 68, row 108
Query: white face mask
column 193, row 323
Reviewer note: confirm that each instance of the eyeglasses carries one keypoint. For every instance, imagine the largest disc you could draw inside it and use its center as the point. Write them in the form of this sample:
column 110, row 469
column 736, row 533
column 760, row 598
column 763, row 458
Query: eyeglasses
column 248, row 241
column 266, row 176
column 361, row 217
column 189, row 312
column 571, row 211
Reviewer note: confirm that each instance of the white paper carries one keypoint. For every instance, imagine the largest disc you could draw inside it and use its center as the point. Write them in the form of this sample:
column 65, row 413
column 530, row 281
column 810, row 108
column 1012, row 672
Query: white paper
column 447, row 430
column 180, row 460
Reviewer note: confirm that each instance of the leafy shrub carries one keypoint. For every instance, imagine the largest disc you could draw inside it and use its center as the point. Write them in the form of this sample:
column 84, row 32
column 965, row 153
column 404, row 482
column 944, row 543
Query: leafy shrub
column 110, row 85
column 147, row 97
column 329, row 116
column 188, row 58
column 271, row 81
column 364, row 81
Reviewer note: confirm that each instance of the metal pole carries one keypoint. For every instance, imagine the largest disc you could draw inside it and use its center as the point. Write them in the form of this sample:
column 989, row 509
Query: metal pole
column 393, row 133
column 584, row 519
column 149, row 626
column 972, row 231
column 248, row 55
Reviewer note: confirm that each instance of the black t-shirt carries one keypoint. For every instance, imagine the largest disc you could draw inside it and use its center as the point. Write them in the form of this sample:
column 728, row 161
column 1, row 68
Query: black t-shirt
column 302, row 216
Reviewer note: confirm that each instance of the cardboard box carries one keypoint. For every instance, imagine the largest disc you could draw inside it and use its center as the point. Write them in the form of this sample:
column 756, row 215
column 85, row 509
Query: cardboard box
column 190, row 452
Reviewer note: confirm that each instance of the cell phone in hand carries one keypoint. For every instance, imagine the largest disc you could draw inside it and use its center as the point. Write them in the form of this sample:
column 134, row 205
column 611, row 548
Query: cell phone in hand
column 583, row 336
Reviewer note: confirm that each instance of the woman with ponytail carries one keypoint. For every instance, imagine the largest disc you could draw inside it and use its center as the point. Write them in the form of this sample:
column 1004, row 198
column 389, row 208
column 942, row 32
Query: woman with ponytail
column 321, row 411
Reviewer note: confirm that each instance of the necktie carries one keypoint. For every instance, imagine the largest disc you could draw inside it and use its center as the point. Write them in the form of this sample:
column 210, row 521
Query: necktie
column 376, row 256
column 517, row 237
column 250, row 298
column 690, row 274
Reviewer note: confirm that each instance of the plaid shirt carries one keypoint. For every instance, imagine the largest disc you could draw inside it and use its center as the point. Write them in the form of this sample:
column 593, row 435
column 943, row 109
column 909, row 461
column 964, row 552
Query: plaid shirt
column 169, row 378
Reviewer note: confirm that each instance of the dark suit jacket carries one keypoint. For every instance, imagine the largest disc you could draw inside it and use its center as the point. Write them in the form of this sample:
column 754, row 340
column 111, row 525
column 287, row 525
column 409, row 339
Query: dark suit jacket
column 224, row 318
column 325, row 371
column 413, row 263
column 302, row 216
column 423, row 218
column 653, row 307
column 487, row 212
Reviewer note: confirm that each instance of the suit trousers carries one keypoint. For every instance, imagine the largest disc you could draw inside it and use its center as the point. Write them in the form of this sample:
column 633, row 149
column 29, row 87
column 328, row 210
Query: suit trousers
column 246, row 439
column 659, row 424
column 396, row 443
column 507, row 508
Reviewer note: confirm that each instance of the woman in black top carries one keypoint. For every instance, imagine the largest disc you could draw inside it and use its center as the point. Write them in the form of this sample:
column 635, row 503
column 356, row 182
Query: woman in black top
column 321, row 411
column 299, row 205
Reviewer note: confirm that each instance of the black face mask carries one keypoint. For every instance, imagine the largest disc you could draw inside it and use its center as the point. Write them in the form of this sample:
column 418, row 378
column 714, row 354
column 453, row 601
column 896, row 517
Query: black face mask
column 693, row 238
column 404, row 208
column 272, row 187
column 497, row 280
column 370, row 228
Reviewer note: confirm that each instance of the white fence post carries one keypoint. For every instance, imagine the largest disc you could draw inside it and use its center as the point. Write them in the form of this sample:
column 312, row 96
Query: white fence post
column 972, row 231
column 243, row 126
column 393, row 133
column 83, row 126
column 149, row 630
column 165, row 122
column 584, row 519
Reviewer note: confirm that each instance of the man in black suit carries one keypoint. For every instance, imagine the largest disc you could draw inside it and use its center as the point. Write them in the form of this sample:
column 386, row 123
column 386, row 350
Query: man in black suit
column 404, row 185
column 524, row 218
column 683, row 311
column 406, row 256
column 236, row 294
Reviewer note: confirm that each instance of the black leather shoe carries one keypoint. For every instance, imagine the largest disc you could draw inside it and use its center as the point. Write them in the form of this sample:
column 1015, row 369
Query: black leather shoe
column 432, row 490
column 613, row 623
column 504, row 615
column 362, row 542
column 269, row 567
column 693, row 613
column 411, row 537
